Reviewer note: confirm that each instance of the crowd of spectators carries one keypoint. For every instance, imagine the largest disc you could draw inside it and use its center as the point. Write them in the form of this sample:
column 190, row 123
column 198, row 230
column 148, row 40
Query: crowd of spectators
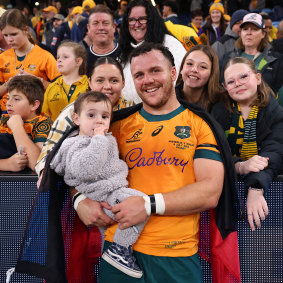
column 216, row 49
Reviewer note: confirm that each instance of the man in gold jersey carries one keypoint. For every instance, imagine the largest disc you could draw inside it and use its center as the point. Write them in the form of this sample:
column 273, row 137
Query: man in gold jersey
column 176, row 155
column 170, row 152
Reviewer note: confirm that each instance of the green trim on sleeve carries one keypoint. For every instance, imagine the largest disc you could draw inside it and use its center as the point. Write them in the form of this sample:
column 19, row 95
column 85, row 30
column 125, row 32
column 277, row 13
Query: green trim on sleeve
column 208, row 154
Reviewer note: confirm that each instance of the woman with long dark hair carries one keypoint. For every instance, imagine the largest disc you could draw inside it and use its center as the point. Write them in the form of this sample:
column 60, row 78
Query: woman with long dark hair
column 141, row 22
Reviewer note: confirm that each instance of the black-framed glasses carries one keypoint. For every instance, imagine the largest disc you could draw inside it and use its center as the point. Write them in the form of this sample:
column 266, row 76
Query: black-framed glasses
column 241, row 79
column 141, row 20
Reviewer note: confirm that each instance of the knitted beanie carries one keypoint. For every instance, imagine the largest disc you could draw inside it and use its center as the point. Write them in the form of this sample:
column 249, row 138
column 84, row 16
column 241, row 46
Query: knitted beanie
column 217, row 5
column 238, row 16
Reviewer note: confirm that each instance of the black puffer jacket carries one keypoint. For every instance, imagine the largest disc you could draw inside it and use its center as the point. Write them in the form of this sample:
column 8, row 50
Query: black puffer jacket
column 269, row 133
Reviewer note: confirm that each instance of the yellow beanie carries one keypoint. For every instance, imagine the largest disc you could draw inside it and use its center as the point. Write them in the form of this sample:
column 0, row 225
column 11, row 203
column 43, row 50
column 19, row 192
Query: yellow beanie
column 216, row 6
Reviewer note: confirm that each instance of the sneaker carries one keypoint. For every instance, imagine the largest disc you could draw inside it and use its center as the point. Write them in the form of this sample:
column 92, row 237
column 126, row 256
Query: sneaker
column 123, row 259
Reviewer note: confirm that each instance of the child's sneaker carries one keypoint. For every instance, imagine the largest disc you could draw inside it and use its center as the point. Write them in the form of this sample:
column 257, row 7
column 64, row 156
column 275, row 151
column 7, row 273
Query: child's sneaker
column 123, row 259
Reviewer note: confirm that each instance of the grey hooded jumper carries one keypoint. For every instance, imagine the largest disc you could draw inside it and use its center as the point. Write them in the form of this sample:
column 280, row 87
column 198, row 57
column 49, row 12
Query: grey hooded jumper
column 93, row 167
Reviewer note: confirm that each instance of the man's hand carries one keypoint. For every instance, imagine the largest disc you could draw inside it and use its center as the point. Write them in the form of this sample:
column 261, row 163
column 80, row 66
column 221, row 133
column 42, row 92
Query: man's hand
column 17, row 162
column 129, row 212
column 91, row 213
column 257, row 208
column 15, row 121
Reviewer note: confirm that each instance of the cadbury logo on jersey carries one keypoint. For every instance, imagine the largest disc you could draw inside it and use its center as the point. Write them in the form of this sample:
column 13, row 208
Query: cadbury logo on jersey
column 182, row 132
column 157, row 131
column 135, row 137
column 135, row 158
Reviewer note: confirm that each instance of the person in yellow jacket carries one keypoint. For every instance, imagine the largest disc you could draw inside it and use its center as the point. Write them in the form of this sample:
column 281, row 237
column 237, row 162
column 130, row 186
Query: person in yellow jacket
column 186, row 35
column 71, row 63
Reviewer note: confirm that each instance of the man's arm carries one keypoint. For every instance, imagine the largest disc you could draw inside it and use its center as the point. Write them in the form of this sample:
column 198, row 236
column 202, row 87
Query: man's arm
column 193, row 198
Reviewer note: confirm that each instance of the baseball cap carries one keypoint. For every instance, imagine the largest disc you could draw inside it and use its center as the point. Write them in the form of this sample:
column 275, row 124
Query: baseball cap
column 77, row 10
column 59, row 17
column 255, row 19
column 88, row 4
column 238, row 16
column 50, row 9
column 124, row 3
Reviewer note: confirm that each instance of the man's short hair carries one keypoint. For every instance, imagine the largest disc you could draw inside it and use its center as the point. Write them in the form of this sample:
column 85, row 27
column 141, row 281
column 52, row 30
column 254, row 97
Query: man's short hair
column 90, row 96
column 173, row 5
column 30, row 86
column 149, row 46
column 101, row 9
column 197, row 13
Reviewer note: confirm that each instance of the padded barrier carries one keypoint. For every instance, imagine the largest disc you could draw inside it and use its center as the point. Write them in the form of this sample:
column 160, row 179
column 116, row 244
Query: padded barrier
column 261, row 252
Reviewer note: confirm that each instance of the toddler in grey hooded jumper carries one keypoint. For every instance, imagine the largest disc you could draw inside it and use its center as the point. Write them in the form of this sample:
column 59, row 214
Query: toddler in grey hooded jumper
column 92, row 165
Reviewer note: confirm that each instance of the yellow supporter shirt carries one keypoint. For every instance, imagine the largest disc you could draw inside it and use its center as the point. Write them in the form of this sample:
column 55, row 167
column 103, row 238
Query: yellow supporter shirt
column 159, row 151
column 58, row 95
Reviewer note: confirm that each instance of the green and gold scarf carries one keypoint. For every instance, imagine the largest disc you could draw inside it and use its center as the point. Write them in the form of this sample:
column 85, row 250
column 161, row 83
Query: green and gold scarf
column 242, row 134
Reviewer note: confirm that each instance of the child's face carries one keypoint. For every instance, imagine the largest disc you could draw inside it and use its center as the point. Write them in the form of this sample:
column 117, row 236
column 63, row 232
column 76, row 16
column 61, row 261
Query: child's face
column 241, row 83
column 67, row 62
column 94, row 116
column 15, row 37
column 17, row 103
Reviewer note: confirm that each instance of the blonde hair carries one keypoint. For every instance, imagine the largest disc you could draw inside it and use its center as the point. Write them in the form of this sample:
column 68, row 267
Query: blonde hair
column 263, row 90
column 79, row 52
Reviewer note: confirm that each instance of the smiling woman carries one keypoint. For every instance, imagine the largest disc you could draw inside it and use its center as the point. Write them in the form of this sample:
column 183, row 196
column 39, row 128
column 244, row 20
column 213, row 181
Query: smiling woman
column 142, row 23
column 198, row 80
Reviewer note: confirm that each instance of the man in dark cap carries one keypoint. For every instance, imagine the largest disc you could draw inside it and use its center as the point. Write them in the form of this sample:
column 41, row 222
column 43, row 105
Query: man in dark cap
column 226, row 42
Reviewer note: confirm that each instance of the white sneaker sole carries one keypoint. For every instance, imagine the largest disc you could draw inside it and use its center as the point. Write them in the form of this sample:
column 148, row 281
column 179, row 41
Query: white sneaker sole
column 122, row 268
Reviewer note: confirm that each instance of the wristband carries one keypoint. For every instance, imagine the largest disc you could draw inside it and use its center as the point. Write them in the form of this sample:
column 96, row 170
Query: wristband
column 78, row 197
column 147, row 205
column 152, row 204
column 75, row 196
column 160, row 204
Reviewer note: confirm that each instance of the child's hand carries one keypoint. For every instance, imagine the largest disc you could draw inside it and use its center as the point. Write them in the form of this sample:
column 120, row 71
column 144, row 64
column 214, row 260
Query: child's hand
column 100, row 130
column 254, row 164
column 15, row 121
column 257, row 208
column 17, row 162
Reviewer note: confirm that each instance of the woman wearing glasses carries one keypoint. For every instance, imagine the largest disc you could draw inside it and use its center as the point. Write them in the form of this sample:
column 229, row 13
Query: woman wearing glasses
column 141, row 22
column 253, row 122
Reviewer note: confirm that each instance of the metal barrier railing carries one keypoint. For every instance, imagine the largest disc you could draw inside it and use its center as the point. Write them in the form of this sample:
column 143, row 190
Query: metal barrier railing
column 261, row 252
